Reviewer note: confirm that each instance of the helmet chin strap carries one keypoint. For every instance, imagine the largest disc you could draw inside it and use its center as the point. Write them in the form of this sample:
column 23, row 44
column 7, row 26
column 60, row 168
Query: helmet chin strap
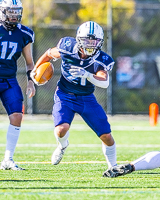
column 9, row 26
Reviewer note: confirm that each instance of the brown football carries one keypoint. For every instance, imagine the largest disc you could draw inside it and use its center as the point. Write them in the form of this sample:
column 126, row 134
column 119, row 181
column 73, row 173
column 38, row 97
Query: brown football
column 44, row 73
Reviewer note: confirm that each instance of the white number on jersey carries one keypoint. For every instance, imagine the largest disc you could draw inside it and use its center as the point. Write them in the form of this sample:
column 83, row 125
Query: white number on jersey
column 83, row 81
column 12, row 45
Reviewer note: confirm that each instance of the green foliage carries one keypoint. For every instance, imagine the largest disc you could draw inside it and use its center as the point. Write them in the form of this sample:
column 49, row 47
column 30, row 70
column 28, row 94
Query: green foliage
column 134, row 101
column 134, row 30
column 93, row 10
column 36, row 11
column 150, row 37
column 97, row 10
column 47, row 12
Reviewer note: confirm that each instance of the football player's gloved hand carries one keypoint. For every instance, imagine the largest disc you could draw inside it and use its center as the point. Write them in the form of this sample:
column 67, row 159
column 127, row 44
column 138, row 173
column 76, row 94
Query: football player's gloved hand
column 32, row 75
column 78, row 72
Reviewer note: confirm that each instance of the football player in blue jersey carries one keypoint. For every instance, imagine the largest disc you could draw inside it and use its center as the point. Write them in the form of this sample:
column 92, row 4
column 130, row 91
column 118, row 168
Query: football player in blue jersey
column 14, row 40
column 83, row 67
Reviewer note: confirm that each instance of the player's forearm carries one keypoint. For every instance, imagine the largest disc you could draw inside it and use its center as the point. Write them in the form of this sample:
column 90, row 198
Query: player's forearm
column 29, row 66
column 53, row 53
column 98, row 81
column 50, row 54
column 44, row 58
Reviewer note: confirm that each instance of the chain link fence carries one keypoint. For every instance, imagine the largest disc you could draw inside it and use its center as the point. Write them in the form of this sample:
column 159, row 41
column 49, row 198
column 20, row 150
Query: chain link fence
column 137, row 54
column 135, row 76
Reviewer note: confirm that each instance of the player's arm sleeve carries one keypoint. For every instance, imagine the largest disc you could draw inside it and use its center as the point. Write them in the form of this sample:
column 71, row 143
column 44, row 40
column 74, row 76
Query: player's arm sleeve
column 66, row 45
column 109, row 67
column 104, row 68
column 99, row 83
column 29, row 37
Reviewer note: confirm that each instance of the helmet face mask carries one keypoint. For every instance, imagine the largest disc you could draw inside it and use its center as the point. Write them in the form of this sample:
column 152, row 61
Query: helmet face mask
column 89, row 46
column 10, row 14
column 89, row 38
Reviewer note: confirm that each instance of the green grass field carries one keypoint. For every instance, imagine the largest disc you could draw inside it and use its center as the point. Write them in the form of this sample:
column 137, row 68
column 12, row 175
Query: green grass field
column 79, row 175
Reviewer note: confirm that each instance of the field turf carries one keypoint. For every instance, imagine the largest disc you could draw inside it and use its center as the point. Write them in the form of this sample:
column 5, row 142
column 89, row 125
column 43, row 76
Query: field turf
column 79, row 175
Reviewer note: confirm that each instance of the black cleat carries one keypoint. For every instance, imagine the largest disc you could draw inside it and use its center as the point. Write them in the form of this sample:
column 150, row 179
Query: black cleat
column 118, row 170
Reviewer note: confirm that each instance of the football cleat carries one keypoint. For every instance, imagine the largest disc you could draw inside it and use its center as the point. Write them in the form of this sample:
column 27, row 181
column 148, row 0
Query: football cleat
column 10, row 165
column 118, row 170
column 58, row 155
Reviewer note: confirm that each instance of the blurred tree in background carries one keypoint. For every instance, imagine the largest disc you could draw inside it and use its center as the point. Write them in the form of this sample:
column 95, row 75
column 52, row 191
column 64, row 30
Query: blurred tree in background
column 35, row 11
column 47, row 12
column 97, row 10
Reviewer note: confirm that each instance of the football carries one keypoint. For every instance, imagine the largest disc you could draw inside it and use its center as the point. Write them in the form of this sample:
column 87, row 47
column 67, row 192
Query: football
column 44, row 73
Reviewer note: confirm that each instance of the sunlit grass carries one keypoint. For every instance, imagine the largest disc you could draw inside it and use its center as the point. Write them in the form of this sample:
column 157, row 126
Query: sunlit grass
column 79, row 175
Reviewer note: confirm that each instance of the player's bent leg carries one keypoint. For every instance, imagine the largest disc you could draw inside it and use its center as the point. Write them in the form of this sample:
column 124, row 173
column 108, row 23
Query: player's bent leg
column 118, row 170
column 107, row 139
column 61, row 133
column 148, row 161
column 96, row 118
column 109, row 149
column 15, row 119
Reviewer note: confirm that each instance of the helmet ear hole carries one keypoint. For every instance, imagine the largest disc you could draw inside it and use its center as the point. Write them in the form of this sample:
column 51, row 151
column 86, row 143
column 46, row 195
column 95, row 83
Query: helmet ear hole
column 89, row 38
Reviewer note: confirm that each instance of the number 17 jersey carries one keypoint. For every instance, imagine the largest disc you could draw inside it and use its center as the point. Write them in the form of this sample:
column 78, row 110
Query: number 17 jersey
column 11, row 46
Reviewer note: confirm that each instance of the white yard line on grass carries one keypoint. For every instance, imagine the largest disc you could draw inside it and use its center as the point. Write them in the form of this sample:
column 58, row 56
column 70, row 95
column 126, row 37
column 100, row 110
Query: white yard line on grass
column 114, row 191
column 88, row 145
column 73, row 162
column 50, row 127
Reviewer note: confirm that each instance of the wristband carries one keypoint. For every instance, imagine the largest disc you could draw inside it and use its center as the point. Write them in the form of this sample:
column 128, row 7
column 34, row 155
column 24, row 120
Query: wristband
column 29, row 75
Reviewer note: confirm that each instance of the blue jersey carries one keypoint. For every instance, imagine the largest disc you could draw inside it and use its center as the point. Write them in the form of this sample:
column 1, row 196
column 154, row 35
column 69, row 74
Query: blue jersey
column 11, row 46
column 67, row 47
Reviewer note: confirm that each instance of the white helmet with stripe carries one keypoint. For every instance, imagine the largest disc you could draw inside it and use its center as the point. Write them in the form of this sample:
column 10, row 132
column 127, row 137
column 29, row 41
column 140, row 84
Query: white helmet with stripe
column 10, row 13
column 89, row 38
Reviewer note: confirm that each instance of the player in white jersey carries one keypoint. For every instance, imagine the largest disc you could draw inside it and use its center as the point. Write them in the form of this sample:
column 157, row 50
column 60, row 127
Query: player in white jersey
column 148, row 161
column 83, row 67
column 15, row 39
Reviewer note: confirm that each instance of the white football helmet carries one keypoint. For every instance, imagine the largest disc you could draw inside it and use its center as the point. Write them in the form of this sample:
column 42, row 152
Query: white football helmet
column 89, row 38
column 10, row 13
